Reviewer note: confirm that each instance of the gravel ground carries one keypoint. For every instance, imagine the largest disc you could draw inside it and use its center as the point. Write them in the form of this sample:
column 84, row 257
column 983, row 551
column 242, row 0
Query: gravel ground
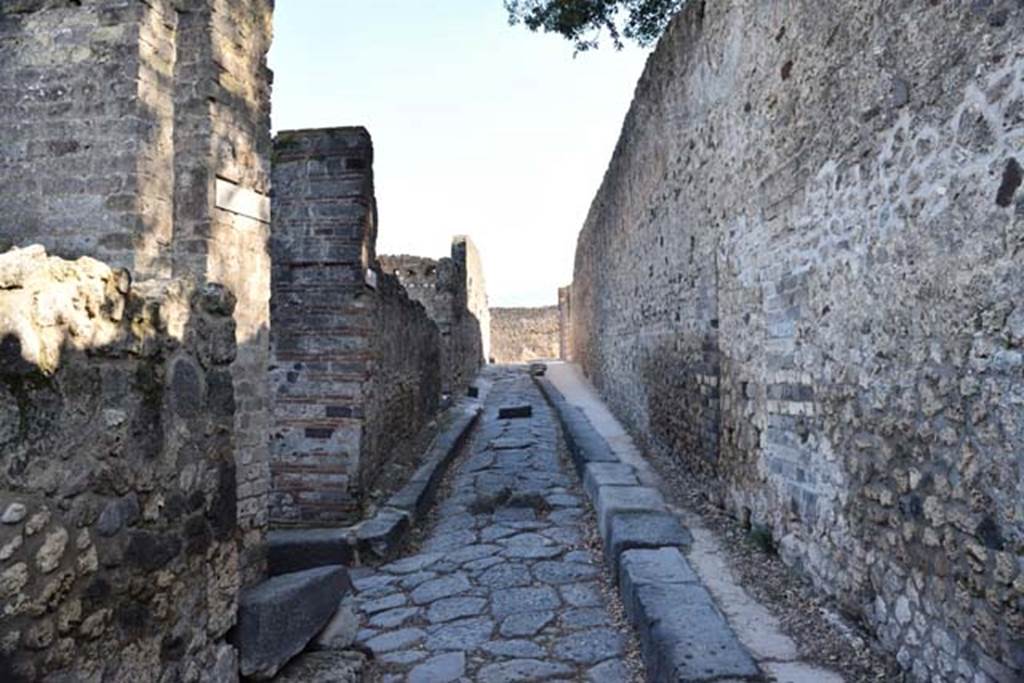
column 822, row 633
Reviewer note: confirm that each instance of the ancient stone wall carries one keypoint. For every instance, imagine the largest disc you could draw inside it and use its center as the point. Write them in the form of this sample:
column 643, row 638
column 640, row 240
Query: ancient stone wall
column 118, row 521
column 802, row 276
column 565, row 340
column 446, row 288
column 86, row 127
column 403, row 385
column 139, row 133
column 340, row 329
column 521, row 335
column 464, row 252
column 222, row 209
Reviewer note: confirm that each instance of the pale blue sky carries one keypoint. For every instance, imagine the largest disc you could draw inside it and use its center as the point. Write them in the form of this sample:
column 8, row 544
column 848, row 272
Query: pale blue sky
column 479, row 127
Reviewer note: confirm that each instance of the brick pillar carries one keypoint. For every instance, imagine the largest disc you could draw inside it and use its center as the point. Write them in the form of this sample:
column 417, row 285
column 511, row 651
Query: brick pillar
column 322, row 312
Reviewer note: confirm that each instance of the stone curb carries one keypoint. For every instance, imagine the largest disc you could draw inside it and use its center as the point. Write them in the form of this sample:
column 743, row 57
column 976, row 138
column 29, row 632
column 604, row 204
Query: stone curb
column 683, row 635
column 292, row 550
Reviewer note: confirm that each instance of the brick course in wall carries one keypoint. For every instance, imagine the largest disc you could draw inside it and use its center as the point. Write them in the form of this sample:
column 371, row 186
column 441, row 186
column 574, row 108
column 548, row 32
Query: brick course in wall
column 521, row 335
column 802, row 276
column 356, row 363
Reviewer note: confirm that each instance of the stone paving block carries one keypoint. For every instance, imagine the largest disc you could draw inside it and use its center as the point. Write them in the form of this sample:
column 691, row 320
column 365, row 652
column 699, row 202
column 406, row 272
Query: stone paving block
column 590, row 647
column 616, row 499
column 279, row 617
column 294, row 550
column 526, row 623
column 514, row 648
column 516, row 670
column 445, row 668
column 396, row 640
column 529, row 599
column 611, row 671
column 442, row 587
column 597, row 474
column 464, row 634
column 628, row 530
column 449, row 609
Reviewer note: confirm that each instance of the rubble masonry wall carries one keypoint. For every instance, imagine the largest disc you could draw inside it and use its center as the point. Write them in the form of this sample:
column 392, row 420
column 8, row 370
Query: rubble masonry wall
column 803, row 276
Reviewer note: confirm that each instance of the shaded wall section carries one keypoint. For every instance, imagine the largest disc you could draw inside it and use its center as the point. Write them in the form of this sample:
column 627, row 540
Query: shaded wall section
column 139, row 133
column 802, row 277
column 118, row 522
column 356, row 367
column 521, row 335
column 565, row 340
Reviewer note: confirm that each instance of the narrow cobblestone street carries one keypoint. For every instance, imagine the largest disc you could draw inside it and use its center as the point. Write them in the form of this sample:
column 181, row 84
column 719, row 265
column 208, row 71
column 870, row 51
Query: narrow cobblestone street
column 504, row 588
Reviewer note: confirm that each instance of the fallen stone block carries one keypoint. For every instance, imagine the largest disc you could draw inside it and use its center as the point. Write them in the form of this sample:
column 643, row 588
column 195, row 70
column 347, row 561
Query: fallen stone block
column 279, row 617
column 683, row 636
column 538, row 369
column 643, row 530
column 515, row 412
column 597, row 474
column 615, row 499
column 294, row 550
